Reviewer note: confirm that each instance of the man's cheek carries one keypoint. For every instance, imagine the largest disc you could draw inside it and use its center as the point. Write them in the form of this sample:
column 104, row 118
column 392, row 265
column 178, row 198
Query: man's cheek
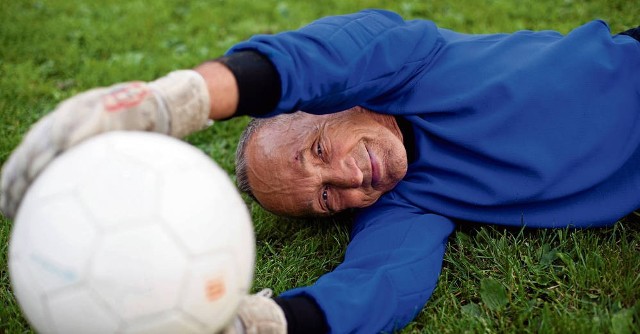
column 358, row 199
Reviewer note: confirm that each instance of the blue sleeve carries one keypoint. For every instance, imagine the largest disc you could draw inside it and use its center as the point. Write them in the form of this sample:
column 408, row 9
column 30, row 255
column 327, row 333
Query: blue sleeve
column 390, row 270
column 339, row 62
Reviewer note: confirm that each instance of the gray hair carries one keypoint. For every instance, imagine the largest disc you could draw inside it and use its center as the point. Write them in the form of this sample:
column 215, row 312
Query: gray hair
column 252, row 128
column 241, row 159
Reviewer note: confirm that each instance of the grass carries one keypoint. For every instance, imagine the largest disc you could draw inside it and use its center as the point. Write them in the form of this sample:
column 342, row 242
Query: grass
column 546, row 281
column 494, row 280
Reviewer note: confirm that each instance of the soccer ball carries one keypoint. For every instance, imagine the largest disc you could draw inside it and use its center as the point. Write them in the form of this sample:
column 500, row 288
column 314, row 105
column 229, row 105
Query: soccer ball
column 131, row 232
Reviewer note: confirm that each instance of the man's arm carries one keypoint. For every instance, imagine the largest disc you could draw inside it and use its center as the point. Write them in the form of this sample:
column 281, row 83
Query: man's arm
column 177, row 104
column 337, row 62
column 390, row 270
column 370, row 58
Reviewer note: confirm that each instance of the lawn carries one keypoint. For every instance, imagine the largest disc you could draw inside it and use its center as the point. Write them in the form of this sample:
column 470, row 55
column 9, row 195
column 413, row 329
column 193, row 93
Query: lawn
column 493, row 281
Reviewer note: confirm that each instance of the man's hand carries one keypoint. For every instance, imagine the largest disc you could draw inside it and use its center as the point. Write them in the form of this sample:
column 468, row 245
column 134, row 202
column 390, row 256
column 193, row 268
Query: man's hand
column 258, row 314
column 177, row 104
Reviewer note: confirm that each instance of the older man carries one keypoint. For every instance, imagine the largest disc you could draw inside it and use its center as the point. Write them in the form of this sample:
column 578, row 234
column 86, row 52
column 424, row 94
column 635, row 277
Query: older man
column 420, row 126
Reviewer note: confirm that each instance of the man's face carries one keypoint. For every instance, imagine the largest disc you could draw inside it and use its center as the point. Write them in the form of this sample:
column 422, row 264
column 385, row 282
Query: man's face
column 305, row 164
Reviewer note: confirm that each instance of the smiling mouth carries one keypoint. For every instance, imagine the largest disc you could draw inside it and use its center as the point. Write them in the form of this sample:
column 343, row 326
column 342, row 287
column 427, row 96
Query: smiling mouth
column 375, row 169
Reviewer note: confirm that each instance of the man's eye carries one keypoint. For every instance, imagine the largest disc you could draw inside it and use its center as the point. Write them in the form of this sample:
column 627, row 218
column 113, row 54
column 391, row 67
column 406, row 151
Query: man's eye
column 319, row 149
column 325, row 199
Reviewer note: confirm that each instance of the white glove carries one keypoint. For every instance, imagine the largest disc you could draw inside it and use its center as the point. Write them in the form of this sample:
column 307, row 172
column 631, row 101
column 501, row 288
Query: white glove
column 177, row 105
column 258, row 314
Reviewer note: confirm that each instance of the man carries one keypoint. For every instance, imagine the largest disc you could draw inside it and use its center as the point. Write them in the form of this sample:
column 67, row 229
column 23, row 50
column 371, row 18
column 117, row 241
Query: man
column 335, row 162
column 528, row 129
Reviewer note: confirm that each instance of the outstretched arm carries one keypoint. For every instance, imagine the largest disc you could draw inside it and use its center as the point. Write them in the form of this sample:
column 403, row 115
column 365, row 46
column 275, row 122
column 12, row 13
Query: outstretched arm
column 390, row 270
column 367, row 58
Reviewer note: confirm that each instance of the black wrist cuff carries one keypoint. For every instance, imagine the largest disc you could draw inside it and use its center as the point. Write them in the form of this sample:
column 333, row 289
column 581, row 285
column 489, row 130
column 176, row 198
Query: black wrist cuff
column 259, row 86
column 303, row 315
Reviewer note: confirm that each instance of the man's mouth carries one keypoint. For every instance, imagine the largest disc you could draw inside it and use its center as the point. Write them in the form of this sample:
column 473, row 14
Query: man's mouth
column 375, row 169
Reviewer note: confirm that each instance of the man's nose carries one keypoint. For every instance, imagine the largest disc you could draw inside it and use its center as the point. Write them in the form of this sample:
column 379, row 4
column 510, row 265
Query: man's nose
column 344, row 174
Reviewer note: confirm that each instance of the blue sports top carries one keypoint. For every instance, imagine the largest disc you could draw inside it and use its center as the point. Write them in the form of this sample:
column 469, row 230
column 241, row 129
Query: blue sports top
column 533, row 129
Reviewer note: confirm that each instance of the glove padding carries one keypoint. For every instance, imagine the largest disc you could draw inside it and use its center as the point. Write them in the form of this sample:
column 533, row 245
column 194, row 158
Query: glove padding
column 177, row 105
column 258, row 314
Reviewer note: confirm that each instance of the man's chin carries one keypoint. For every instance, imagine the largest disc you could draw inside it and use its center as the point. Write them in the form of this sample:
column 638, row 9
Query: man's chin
column 386, row 186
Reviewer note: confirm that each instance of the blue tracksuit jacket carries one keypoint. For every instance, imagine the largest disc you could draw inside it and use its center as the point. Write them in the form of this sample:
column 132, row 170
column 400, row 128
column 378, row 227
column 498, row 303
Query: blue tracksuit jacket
column 525, row 129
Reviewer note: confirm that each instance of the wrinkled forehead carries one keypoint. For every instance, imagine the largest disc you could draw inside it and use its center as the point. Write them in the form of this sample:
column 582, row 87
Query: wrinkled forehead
column 276, row 180
column 281, row 134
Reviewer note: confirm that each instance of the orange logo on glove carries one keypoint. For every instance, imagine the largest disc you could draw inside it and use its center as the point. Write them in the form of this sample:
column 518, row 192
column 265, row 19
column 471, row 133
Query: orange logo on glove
column 125, row 96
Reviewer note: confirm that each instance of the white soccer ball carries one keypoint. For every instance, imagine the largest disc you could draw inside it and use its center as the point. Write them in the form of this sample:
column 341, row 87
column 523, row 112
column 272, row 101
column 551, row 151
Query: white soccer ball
column 131, row 232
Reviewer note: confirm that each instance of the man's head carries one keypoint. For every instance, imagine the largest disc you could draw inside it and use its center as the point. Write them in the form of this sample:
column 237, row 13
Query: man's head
column 301, row 164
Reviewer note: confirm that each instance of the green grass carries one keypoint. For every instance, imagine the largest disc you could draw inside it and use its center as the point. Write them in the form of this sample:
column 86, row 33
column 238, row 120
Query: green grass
column 493, row 281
